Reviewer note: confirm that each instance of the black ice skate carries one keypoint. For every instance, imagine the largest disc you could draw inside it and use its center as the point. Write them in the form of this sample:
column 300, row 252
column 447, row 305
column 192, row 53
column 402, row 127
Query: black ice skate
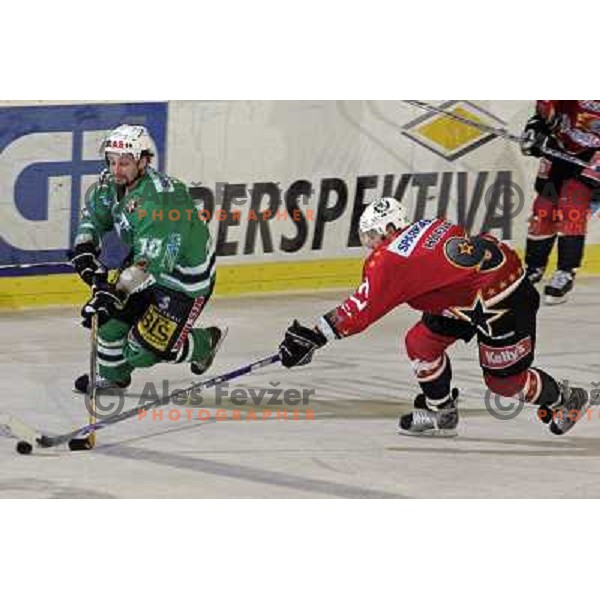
column 218, row 335
column 82, row 384
column 571, row 408
column 559, row 286
column 428, row 420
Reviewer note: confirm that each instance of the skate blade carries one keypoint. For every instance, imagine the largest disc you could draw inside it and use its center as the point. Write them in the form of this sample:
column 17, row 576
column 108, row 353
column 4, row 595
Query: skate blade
column 224, row 334
column 554, row 300
column 432, row 433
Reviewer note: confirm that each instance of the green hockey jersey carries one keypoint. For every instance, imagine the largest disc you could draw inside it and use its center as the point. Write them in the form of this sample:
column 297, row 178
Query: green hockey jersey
column 159, row 222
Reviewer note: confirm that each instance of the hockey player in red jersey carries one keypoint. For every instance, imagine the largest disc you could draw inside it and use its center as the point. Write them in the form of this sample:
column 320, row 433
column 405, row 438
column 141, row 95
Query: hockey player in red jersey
column 561, row 208
column 466, row 287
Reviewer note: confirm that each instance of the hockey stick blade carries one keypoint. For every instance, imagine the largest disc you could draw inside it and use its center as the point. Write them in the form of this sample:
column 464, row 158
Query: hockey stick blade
column 86, row 443
column 19, row 429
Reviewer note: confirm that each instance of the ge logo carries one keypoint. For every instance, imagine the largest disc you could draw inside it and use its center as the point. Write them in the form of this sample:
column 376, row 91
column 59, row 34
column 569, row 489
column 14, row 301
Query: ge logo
column 49, row 157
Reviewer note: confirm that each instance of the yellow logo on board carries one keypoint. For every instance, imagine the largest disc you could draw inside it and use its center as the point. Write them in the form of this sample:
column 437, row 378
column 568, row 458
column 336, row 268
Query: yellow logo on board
column 448, row 137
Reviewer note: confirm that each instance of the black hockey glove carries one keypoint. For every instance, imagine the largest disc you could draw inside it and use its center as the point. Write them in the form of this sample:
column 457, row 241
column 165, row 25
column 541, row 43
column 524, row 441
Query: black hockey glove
column 84, row 258
column 537, row 136
column 105, row 302
column 299, row 345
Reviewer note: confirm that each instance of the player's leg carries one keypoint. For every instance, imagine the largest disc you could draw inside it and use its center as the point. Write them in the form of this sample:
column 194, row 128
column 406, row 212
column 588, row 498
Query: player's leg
column 506, row 360
column 435, row 411
column 557, row 405
column 202, row 361
column 163, row 332
column 541, row 233
column 114, row 371
column 540, row 237
column 574, row 213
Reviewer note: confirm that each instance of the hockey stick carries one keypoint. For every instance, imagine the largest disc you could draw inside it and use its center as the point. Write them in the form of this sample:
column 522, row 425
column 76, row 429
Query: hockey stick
column 31, row 437
column 89, row 442
column 93, row 376
column 33, row 265
column 499, row 132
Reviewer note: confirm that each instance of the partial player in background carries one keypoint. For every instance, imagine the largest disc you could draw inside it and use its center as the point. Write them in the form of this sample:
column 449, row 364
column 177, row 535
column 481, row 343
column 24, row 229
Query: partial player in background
column 465, row 287
column 561, row 209
column 145, row 316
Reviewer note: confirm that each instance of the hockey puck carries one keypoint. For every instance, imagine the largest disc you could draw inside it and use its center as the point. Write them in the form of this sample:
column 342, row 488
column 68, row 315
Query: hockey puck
column 24, row 447
column 80, row 444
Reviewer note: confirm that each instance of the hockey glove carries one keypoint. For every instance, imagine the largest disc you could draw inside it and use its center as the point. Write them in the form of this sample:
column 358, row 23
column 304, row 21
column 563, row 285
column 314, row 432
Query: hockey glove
column 105, row 302
column 537, row 136
column 84, row 258
column 299, row 345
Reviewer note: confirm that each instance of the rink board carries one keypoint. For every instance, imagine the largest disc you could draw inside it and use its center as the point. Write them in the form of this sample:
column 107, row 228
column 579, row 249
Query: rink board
column 260, row 278
column 313, row 165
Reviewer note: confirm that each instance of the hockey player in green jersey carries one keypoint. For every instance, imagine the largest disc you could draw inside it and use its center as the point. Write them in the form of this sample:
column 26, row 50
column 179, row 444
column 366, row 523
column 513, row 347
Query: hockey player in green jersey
column 146, row 315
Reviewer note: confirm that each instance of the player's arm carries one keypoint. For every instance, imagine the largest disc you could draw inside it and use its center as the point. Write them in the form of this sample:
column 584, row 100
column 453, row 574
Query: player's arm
column 95, row 221
column 373, row 299
column 152, row 253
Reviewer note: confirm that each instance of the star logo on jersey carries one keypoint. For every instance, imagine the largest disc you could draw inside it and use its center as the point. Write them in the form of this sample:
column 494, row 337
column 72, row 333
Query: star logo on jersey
column 479, row 315
column 447, row 137
column 466, row 248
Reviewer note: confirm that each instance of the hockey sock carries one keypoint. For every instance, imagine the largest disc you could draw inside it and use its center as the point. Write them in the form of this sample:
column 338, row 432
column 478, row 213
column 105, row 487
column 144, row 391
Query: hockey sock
column 538, row 251
column 437, row 391
column 541, row 388
column 570, row 252
column 112, row 364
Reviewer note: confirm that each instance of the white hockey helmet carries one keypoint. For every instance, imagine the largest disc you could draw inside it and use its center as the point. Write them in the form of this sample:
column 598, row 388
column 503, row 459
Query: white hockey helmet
column 376, row 218
column 128, row 139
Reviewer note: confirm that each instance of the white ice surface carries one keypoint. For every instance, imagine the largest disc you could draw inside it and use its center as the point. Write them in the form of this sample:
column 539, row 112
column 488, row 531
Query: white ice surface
column 351, row 449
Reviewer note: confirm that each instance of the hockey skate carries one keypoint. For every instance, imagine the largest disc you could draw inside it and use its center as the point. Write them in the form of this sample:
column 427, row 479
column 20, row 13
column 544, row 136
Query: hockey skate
column 429, row 421
column 218, row 335
column 563, row 416
column 82, row 384
column 559, row 286
column 535, row 274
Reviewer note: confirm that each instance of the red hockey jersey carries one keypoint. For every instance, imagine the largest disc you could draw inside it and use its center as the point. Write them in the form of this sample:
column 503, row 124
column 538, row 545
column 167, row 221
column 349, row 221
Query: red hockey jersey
column 575, row 123
column 433, row 266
